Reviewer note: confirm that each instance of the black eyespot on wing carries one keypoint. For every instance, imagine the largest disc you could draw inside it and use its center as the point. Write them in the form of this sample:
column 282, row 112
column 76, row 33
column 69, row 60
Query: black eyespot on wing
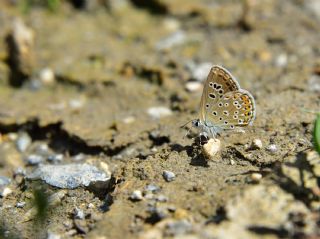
column 207, row 106
column 212, row 96
column 218, row 87
column 220, row 91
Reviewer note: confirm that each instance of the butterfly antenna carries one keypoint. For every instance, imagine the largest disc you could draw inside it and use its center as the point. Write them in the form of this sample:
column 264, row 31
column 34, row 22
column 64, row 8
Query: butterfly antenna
column 182, row 126
column 186, row 133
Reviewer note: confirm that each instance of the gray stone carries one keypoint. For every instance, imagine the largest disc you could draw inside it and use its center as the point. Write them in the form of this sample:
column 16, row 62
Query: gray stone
column 34, row 159
column 23, row 142
column 71, row 175
column 168, row 176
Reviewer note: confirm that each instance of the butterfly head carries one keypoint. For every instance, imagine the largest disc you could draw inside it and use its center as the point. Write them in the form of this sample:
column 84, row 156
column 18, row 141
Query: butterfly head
column 196, row 123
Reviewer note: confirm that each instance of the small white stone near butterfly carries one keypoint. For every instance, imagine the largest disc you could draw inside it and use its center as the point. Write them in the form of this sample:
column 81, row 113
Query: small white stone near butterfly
column 158, row 112
column 256, row 144
column 193, row 86
column 211, row 148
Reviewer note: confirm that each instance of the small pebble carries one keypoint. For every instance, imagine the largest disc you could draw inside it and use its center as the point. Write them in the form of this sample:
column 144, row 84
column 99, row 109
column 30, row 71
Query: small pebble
column 136, row 195
column 5, row 192
column 168, row 175
column 23, row 142
column 19, row 171
column 152, row 188
column 42, row 149
column 20, row 204
column 314, row 83
column 158, row 112
column 171, row 24
column 34, row 159
column 55, row 158
column 281, row 60
column 12, row 136
column 272, row 148
column 76, row 104
column 175, row 39
column 51, row 235
column 129, row 120
column 46, row 76
column 256, row 144
column 200, row 72
column 256, row 177
column 79, row 214
column 162, row 198
column 193, row 86
column 211, row 148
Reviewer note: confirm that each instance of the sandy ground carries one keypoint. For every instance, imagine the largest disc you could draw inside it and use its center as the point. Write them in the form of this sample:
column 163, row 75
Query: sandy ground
column 112, row 64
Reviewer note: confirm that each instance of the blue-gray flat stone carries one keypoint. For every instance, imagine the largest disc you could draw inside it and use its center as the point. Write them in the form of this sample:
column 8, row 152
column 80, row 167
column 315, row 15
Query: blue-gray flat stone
column 70, row 175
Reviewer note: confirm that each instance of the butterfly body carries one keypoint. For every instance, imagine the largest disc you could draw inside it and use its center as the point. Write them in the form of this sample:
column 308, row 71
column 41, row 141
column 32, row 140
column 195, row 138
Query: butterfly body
column 224, row 105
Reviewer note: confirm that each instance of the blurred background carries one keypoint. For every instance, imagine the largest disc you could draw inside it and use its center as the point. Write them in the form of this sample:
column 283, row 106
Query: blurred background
column 108, row 83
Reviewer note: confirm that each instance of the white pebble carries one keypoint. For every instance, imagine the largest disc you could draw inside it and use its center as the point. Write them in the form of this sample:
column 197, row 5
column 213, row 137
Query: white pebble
column 5, row 192
column 76, row 103
column 193, row 86
column 23, row 142
column 281, row 60
column 171, row 24
column 256, row 144
column 201, row 71
column 272, row 148
column 46, row 76
column 256, row 177
column 168, row 175
column 211, row 148
column 129, row 120
column 158, row 112
column 175, row 39
column 136, row 195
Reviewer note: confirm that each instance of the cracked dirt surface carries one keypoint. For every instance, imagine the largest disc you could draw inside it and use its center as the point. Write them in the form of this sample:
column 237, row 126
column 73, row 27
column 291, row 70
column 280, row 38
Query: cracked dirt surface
column 109, row 70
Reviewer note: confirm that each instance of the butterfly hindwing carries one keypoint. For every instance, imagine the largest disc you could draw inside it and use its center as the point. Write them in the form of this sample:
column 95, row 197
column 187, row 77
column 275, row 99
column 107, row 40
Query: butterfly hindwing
column 234, row 109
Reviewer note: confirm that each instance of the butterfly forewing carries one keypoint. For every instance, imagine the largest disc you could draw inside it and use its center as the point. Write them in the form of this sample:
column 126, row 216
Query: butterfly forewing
column 219, row 82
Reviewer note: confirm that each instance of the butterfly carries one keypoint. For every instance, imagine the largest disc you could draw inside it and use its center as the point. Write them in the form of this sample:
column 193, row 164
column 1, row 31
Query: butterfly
column 224, row 105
